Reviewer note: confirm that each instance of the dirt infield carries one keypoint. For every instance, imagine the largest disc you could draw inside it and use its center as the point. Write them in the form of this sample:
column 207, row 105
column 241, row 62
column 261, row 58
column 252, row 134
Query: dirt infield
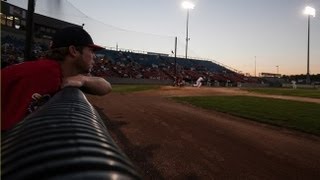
column 168, row 140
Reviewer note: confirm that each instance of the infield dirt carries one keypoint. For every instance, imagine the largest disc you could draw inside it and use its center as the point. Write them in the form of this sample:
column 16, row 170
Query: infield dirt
column 168, row 140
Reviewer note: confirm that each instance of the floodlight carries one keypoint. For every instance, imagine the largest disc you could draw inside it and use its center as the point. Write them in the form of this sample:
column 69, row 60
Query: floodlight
column 187, row 5
column 310, row 11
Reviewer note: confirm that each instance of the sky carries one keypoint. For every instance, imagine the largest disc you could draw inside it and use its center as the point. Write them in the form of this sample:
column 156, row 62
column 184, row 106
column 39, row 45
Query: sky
column 251, row 36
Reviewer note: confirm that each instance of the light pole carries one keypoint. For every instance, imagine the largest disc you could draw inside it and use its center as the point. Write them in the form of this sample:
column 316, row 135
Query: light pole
column 175, row 57
column 310, row 12
column 255, row 66
column 277, row 69
column 187, row 5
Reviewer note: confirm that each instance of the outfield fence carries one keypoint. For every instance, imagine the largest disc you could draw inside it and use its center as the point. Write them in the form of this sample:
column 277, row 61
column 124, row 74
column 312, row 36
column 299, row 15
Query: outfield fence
column 302, row 86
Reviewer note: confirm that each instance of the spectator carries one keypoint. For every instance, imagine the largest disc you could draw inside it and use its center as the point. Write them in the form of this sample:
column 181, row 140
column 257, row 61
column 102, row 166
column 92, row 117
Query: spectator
column 68, row 63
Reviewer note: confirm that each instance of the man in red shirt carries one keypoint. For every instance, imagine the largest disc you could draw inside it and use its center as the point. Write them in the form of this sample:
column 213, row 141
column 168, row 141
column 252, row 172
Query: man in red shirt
column 28, row 85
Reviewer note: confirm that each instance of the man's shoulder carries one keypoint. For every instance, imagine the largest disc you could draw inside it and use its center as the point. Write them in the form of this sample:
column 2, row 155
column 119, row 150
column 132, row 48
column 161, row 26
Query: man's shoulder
column 42, row 63
column 43, row 67
column 33, row 66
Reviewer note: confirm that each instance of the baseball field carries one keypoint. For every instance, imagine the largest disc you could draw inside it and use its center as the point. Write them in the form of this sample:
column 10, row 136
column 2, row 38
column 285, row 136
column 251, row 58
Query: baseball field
column 215, row 133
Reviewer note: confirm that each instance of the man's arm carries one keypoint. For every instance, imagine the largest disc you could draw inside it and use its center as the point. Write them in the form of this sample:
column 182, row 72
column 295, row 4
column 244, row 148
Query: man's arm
column 90, row 84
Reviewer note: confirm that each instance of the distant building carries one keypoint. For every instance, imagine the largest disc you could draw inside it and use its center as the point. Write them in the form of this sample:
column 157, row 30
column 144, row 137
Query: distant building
column 14, row 19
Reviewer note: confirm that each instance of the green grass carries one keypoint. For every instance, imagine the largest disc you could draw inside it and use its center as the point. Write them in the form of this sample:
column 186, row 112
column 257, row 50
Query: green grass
column 312, row 93
column 291, row 114
column 132, row 88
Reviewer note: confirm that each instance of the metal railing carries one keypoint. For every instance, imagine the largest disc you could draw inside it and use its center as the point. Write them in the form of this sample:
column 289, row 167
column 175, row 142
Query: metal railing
column 64, row 139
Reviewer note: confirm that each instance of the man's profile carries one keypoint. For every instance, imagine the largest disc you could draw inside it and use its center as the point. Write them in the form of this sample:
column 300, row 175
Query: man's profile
column 68, row 63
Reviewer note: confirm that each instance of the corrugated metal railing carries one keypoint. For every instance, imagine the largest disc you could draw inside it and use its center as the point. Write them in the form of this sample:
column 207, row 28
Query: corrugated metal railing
column 65, row 139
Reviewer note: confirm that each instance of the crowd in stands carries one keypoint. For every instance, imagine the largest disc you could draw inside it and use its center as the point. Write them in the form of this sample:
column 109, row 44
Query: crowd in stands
column 12, row 50
column 124, row 64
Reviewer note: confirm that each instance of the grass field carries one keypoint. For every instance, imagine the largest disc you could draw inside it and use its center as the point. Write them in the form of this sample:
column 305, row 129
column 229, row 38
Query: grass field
column 132, row 88
column 301, row 116
column 291, row 114
column 312, row 93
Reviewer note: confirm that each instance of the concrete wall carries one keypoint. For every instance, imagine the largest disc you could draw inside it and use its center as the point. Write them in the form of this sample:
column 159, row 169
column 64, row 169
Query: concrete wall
column 254, row 85
column 139, row 81
column 303, row 86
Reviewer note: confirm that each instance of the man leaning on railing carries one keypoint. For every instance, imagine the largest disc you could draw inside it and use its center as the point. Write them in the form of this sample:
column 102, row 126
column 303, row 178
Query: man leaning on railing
column 28, row 85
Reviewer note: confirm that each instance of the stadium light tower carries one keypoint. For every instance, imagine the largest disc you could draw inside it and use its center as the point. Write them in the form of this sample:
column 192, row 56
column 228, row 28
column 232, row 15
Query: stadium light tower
column 310, row 12
column 187, row 5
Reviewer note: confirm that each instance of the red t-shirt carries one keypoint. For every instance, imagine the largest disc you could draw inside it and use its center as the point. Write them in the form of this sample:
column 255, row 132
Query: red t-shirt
column 21, row 84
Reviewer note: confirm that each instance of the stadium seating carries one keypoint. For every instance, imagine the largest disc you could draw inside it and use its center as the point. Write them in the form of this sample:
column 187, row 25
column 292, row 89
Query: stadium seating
column 125, row 64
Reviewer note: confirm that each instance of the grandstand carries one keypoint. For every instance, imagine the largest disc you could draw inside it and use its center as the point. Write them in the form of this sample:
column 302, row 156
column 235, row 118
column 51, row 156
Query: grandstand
column 124, row 64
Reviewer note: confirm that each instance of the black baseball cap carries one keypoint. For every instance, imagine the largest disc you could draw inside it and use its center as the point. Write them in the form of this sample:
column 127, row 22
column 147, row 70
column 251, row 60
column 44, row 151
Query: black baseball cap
column 75, row 36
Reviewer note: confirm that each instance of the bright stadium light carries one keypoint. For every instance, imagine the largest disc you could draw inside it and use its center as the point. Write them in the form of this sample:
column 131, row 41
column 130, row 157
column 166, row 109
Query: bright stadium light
column 310, row 12
column 187, row 5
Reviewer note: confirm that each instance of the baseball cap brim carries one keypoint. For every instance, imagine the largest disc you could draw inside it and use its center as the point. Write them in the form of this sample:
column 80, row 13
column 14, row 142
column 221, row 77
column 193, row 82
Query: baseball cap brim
column 95, row 47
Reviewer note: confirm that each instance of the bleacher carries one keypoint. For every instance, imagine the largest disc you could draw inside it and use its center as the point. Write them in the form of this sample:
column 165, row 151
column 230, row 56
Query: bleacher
column 151, row 66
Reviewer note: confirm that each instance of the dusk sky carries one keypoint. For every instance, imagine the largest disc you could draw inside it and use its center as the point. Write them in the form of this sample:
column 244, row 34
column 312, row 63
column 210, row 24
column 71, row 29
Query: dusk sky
column 231, row 32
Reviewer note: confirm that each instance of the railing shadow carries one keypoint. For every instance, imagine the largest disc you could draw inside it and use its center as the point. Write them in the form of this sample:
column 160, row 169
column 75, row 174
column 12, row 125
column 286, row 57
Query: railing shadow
column 141, row 155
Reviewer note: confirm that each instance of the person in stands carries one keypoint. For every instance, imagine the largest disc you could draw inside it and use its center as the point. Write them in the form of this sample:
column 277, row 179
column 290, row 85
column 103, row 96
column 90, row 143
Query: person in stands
column 27, row 85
